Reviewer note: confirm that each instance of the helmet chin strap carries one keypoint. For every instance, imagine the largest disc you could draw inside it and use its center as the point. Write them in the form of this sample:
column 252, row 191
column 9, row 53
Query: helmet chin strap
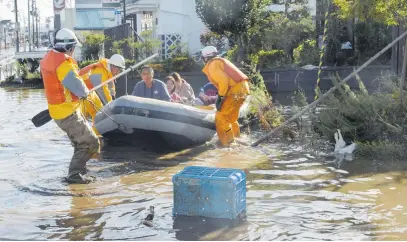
column 108, row 67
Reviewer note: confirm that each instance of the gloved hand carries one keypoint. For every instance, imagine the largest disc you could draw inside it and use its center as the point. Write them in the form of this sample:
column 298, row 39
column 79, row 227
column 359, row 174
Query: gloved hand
column 219, row 102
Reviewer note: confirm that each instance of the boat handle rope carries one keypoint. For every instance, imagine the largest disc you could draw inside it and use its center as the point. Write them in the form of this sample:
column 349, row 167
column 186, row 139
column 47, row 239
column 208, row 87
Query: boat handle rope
column 120, row 126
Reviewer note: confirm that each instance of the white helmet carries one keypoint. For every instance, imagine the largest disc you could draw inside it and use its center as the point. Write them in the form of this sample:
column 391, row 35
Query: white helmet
column 117, row 60
column 66, row 37
column 209, row 51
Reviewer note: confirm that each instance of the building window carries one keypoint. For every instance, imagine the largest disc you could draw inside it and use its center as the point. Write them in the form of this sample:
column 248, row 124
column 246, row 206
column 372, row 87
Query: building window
column 147, row 21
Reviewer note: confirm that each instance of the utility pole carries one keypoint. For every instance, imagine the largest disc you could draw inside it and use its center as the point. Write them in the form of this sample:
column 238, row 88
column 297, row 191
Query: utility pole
column 38, row 28
column 17, row 27
column 5, row 38
column 29, row 27
column 33, row 19
column 124, row 12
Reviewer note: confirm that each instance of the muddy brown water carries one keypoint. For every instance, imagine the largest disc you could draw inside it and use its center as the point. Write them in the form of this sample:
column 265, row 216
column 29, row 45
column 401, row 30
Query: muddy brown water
column 292, row 194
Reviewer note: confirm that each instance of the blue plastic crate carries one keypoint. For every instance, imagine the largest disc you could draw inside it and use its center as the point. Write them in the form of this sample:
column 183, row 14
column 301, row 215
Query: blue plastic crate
column 210, row 192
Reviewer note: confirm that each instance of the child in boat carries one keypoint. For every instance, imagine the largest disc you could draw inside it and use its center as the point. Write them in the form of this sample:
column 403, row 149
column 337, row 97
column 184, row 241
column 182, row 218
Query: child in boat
column 169, row 80
column 207, row 95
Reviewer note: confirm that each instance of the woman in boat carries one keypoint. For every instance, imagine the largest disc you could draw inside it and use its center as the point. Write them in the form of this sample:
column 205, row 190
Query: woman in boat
column 183, row 89
column 170, row 82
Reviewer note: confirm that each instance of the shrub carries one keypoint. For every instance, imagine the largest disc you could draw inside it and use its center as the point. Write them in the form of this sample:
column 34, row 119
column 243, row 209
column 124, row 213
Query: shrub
column 371, row 120
column 84, row 63
column 269, row 59
column 93, row 45
column 307, row 53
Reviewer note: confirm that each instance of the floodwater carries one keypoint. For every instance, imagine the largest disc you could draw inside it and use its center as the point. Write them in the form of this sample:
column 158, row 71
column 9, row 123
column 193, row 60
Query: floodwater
column 292, row 195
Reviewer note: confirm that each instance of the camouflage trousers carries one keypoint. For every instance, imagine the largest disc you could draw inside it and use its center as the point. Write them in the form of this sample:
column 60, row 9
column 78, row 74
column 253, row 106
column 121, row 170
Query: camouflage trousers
column 83, row 139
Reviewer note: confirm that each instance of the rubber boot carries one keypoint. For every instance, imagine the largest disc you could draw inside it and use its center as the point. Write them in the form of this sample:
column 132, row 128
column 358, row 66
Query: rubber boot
column 80, row 179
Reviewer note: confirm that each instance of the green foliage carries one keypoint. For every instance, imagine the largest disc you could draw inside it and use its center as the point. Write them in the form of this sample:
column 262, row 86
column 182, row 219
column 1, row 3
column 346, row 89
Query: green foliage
column 299, row 99
column 141, row 49
column 377, row 121
column 84, row 63
column 211, row 38
column 92, row 46
column 389, row 12
column 180, row 64
column 225, row 16
column 307, row 53
column 24, row 72
column 371, row 37
column 231, row 53
column 269, row 59
column 261, row 104
column 301, row 9
column 286, row 34
column 145, row 48
column 367, row 39
column 236, row 19
column 381, row 150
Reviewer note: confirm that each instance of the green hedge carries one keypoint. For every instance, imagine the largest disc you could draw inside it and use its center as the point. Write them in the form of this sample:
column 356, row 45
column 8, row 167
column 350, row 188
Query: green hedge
column 270, row 59
column 307, row 53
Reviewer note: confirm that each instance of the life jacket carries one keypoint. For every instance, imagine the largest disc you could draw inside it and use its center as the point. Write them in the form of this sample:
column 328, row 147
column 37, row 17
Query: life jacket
column 61, row 102
column 86, row 72
column 231, row 70
column 99, row 68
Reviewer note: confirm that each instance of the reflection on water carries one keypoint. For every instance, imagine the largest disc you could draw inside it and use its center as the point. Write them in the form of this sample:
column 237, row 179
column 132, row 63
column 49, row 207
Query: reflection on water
column 291, row 194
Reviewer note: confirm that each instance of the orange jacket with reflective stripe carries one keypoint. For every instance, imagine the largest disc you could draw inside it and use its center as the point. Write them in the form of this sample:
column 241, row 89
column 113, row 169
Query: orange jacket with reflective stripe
column 99, row 68
column 61, row 101
column 225, row 75
column 87, row 71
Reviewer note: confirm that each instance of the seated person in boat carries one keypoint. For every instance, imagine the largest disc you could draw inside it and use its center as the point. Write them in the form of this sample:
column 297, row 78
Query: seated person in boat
column 169, row 80
column 149, row 87
column 207, row 95
column 183, row 89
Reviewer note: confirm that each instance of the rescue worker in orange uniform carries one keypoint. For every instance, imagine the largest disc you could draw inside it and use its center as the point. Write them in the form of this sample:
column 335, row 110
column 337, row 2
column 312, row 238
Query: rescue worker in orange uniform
column 64, row 90
column 97, row 73
column 233, row 89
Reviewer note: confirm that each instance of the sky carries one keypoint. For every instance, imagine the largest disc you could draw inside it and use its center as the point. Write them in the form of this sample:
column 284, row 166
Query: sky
column 6, row 6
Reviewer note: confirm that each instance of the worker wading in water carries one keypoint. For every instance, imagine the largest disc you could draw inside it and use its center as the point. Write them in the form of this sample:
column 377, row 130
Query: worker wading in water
column 64, row 89
column 233, row 89
column 95, row 74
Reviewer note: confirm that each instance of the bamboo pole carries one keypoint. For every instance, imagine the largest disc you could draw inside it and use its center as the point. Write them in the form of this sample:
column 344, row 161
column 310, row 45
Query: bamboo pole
column 313, row 104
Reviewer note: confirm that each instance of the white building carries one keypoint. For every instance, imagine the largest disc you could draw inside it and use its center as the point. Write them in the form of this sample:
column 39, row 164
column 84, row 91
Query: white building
column 173, row 21
column 87, row 15
column 312, row 5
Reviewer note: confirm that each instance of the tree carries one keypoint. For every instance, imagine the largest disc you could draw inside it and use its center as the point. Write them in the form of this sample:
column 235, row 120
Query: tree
column 390, row 12
column 232, row 18
column 93, row 45
column 294, row 9
column 286, row 34
column 224, row 16
column 210, row 38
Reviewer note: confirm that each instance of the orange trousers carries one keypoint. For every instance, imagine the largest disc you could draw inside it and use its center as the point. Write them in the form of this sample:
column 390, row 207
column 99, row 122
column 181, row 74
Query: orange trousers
column 89, row 109
column 227, row 126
